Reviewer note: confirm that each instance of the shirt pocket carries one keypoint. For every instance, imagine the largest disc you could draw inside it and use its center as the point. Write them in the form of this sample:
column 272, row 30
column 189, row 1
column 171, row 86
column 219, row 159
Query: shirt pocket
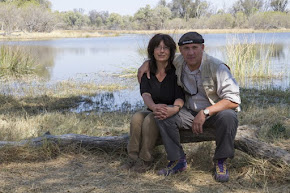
column 208, row 85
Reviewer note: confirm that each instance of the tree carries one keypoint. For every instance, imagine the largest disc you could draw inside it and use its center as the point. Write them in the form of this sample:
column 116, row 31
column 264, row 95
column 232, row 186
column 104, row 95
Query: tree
column 20, row 3
column 145, row 17
column 37, row 18
column 114, row 21
column 247, row 6
column 74, row 19
column 9, row 17
column 98, row 18
column 161, row 15
column 279, row 5
column 162, row 2
column 128, row 22
column 188, row 9
column 180, row 8
column 200, row 8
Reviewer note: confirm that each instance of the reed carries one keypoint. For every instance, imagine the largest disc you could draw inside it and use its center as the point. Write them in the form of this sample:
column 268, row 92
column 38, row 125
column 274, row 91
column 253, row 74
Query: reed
column 15, row 61
column 248, row 59
column 129, row 72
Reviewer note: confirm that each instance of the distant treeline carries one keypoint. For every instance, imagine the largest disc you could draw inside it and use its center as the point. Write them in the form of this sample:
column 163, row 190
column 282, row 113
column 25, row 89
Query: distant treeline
column 37, row 16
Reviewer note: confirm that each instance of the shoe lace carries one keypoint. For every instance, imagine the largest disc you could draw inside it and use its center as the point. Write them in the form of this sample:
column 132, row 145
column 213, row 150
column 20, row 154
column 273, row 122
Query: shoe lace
column 171, row 164
column 221, row 167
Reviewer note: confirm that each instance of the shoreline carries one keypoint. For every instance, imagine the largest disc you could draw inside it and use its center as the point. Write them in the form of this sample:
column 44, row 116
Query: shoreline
column 24, row 36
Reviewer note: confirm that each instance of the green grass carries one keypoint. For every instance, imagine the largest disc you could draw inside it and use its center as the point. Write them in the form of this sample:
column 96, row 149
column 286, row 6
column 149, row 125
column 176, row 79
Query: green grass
column 14, row 61
column 269, row 110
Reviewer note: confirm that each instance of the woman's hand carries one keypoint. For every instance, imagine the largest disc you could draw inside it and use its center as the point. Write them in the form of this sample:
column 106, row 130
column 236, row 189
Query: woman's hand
column 144, row 68
column 163, row 112
column 158, row 107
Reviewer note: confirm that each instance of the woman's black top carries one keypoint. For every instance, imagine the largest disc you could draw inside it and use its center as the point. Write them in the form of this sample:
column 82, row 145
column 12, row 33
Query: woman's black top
column 165, row 92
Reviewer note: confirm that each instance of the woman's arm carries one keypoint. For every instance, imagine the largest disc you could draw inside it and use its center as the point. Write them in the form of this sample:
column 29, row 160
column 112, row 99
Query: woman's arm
column 150, row 103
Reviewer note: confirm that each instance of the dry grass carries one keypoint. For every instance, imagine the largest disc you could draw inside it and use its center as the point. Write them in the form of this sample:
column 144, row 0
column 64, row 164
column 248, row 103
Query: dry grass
column 101, row 33
column 57, row 34
column 77, row 170
column 202, row 31
column 27, row 124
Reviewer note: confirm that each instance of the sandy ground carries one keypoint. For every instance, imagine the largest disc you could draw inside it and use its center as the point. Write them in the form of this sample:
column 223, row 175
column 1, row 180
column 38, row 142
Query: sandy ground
column 99, row 173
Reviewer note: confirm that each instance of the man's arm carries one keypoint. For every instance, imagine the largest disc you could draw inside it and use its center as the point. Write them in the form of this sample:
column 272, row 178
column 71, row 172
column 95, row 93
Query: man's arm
column 200, row 118
column 221, row 105
column 144, row 68
column 227, row 90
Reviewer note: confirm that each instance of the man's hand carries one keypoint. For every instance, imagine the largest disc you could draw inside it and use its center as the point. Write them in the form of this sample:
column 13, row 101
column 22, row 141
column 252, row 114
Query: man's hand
column 198, row 122
column 144, row 68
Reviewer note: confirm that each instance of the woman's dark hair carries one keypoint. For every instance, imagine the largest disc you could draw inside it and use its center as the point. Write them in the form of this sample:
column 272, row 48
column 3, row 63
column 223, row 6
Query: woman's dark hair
column 153, row 43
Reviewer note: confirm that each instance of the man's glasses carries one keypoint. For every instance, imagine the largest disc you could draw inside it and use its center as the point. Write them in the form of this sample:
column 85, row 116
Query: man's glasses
column 186, row 91
column 193, row 85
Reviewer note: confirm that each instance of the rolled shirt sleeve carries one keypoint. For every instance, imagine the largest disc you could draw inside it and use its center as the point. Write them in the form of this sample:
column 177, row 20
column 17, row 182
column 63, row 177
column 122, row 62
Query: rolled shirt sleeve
column 144, row 85
column 227, row 86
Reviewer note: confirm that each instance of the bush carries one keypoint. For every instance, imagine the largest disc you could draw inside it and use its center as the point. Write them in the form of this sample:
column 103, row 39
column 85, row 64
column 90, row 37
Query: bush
column 195, row 23
column 269, row 20
column 220, row 21
column 241, row 20
column 176, row 23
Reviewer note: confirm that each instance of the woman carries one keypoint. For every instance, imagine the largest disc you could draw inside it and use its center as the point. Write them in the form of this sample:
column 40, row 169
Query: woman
column 161, row 95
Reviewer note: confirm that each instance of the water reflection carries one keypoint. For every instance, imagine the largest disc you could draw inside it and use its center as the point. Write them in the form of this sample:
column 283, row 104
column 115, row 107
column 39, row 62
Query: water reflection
column 278, row 51
column 44, row 55
column 123, row 101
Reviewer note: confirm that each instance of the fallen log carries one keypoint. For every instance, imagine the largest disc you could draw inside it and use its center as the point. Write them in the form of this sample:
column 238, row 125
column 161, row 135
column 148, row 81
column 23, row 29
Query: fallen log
column 246, row 141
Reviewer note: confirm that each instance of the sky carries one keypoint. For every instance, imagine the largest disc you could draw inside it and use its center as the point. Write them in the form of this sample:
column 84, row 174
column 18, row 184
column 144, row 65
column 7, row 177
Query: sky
column 123, row 7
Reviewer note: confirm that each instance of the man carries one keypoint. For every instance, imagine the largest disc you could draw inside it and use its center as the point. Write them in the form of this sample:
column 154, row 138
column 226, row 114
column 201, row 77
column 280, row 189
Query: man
column 211, row 100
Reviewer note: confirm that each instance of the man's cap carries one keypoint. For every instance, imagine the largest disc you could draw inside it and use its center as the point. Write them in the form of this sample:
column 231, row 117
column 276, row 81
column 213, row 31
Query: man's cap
column 191, row 38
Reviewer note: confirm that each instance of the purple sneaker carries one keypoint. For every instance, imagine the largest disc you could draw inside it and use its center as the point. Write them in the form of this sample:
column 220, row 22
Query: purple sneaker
column 221, row 173
column 173, row 167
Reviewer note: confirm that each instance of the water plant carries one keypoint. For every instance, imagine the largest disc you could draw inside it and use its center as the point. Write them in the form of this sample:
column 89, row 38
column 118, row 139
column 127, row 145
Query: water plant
column 249, row 59
column 128, row 72
column 15, row 61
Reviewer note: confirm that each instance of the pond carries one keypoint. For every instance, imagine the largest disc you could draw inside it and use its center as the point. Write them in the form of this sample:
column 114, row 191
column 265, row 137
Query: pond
column 99, row 59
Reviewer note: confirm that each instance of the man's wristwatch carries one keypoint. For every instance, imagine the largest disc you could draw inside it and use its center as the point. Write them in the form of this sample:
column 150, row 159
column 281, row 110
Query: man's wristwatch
column 206, row 113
